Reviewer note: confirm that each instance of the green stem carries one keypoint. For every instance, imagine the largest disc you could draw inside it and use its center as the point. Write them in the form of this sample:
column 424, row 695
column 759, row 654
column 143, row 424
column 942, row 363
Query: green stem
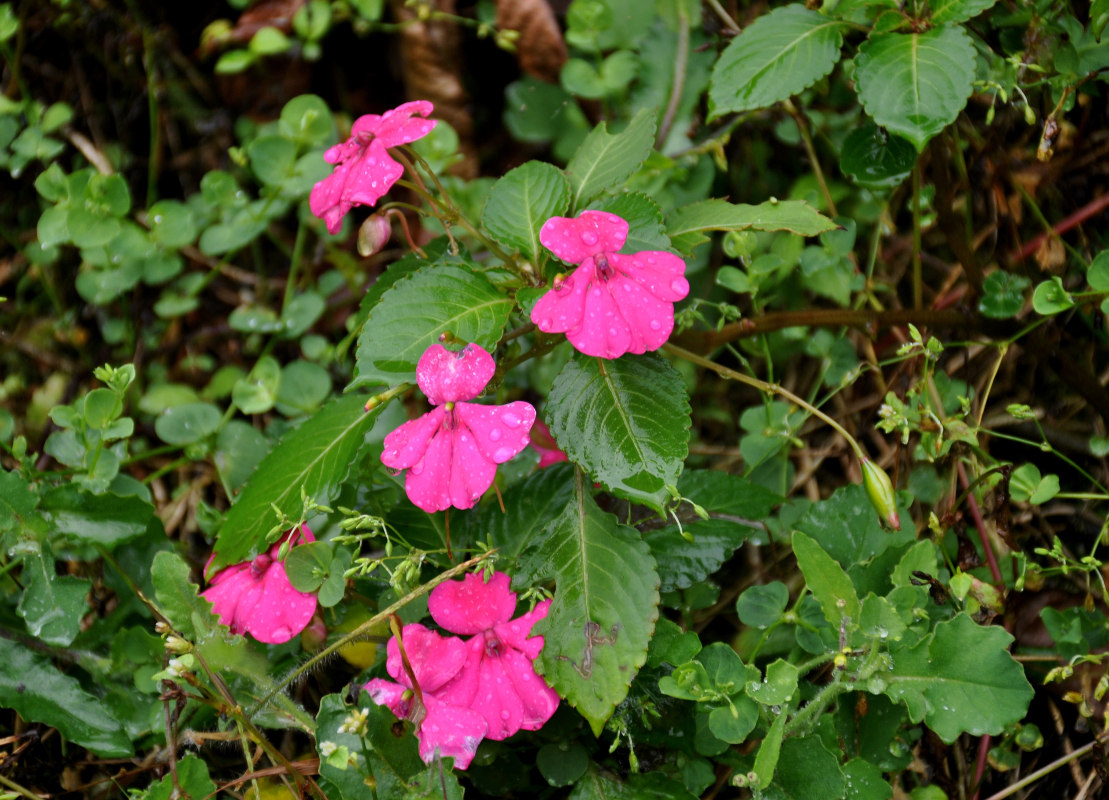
column 294, row 263
column 810, row 152
column 918, row 280
column 677, row 86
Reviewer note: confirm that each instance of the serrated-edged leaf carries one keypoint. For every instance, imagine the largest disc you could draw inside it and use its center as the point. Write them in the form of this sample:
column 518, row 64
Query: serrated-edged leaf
column 723, row 493
column 39, row 692
column 625, row 421
column 521, row 201
column 687, row 224
column 776, row 57
column 644, row 218
column 605, row 160
column 827, row 581
column 961, row 679
column 314, row 458
column 52, row 605
column 105, row 519
column 17, row 504
column 604, row 610
column 682, row 562
column 948, row 12
column 412, row 315
column 915, row 84
column 529, row 505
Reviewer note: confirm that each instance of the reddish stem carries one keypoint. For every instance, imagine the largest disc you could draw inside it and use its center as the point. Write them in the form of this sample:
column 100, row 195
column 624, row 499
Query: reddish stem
column 1095, row 206
column 980, row 764
column 976, row 514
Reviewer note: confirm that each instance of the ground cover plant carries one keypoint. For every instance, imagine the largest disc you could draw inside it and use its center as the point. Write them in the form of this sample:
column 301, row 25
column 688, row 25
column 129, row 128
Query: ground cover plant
column 595, row 399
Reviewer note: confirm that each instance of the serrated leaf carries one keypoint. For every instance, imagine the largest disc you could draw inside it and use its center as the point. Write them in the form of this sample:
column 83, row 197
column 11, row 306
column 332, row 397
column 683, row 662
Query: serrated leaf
column 314, row 458
column 915, row 84
column 625, row 421
column 644, row 218
column 529, row 505
column 605, row 160
column 413, row 314
column 826, row 579
column 39, row 692
column 774, row 58
column 961, row 679
column 521, row 201
column 948, row 12
column 687, row 224
column 604, row 610
column 684, row 562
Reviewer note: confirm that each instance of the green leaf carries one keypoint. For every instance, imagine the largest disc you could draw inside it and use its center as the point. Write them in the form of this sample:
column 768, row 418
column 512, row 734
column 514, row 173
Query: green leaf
column 307, row 120
column 187, row 423
column 766, row 761
column 960, row 679
column 271, row 158
column 865, row 781
column 52, row 605
column 191, row 774
column 303, row 388
column 827, row 581
column 774, row 58
column 685, row 561
column 314, row 458
column 1003, row 294
column 598, row 627
column 521, row 201
column 807, row 770
column 239, row 449
column 915, row 84
column 530, row 505
column 1098, row 273
column 172, row 223
column 949, row 12
column 38, row 692
column 605, row 160
column 625, row 421
column 1051, row 298
column 562, row 763
column 723, row 493
column 179, row 598
column 876, row 159
column 1099, row 17
column 644, row 218
column 687, row 223
column 17, row 505
column 104, row 519
column 257, row 392
column 763, row 605
column 778, row 687
column 412, row 314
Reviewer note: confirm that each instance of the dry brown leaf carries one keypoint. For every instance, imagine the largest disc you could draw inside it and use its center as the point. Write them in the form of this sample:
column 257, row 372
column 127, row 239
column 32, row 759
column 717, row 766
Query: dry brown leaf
column 265, row 14
column 540, row 48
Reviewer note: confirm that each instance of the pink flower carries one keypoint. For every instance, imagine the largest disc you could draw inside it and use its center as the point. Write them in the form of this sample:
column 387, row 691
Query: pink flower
column 256, row 597
column 544, row 444
column 498, row 679
column 612, row 304
column 451, row 453
column 451, row 730
column 365, row 169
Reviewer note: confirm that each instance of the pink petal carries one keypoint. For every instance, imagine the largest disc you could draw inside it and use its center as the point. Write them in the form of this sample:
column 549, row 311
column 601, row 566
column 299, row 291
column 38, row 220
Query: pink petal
column 575, row 239
column 563, row 309
column 661, row 274
column 434, row 659
column 387, row 693
column 649, row 319
column 281, row 611
column 405, row 446
column 231, row 588
column 472, row 605
column 398, row 127
column 447, row 377
column 603, row 330
column 500, row 432
column 543, row 442
column 471, row 472
column 452, row 472
column 517, row 633
column 452, row 731
column 371, row 175
column 428, row 481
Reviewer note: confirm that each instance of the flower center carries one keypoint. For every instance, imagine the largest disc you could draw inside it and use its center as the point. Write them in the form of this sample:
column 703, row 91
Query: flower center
column 365, row 138
column 448, row 418
column 604, row 269
column 259, row 565
column 492, row 645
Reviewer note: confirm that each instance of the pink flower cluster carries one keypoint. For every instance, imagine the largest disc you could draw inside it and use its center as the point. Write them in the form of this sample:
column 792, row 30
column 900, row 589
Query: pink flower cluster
column 256, row 597
column 482, row 687
column 451, row 453
column 364, row 169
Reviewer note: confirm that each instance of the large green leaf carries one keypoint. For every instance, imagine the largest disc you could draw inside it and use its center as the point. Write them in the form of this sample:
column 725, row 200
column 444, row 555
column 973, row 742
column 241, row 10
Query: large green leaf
column 17, row 505
column 312, row 458
column 178, row 597
column 961, row 679
column 776, row 57
column 605, row 160
column 105, row 519
column 915, row 84
column 38, row 692
column 625, row 421
column 644, row 218
column 948, row 12
column 684, row 562
column 52, row 605
column 723, row 493
column 827, row 581
column 605, row 605
column 529, row 505
column 521, row 201
column 807, row 770
column 687, row 224
column 413, row 314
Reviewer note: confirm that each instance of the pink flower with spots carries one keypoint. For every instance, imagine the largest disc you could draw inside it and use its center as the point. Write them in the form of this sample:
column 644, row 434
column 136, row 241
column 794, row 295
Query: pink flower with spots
column 612, row 303
column 436, row 660
column 498, row 679
column 256, row 597
column 451, row 453
column 365, row 171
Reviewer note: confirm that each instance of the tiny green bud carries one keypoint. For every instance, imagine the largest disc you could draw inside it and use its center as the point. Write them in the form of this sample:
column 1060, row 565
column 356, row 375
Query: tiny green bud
column 879, row 490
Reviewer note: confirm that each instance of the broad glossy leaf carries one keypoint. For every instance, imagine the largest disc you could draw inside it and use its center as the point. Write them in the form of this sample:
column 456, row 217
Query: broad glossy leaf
column 682, row 562
column 827, row 581
column 521, row 201
column 644, row 217
column 625, row 421
column 530, row 505
column 178, row 597
column 52, row 605
column 604, row 610
column 915, row 84
column 314, row 458
column 762, row 605
column 39, row 692
column 807, row 770
column 412, row 315
column 187, row 423
column 961, row 679
column 865, row 781
column 686, row 225
column 605, row 160
column 948, row 12
column 1051, row 297
column 774, row 58
column 723, row 493
column 876, row 159
column 105, row 519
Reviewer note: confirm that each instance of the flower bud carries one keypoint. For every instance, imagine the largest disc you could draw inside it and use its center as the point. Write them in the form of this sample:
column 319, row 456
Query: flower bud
column 374, row 235
column 175, row 644
column 879, row 490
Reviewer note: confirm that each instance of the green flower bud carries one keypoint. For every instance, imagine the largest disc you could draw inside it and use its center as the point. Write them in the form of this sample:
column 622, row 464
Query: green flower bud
column 879, row 490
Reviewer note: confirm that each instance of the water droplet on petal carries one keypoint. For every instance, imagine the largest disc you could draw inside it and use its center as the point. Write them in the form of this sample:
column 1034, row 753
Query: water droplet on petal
column 495, row 435
column 679, row 285
column 589, row 237
column 511, row 420
column 655, row 325
column 503, row 454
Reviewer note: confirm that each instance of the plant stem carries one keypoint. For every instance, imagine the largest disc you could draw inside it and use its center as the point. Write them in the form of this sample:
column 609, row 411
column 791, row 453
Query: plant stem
column 1031, row 778
column 677, row 86
column 294, row 263
column 918, row 280
column 810, row 152
column 768, row 388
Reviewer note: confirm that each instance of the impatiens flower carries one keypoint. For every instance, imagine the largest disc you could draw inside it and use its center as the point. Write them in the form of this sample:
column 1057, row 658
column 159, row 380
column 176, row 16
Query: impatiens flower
column 451, row 453
column 435, row 660
column 256, row 597
column 612, row 304
column 365, row 171
column 544, row 444
column 498, row 679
